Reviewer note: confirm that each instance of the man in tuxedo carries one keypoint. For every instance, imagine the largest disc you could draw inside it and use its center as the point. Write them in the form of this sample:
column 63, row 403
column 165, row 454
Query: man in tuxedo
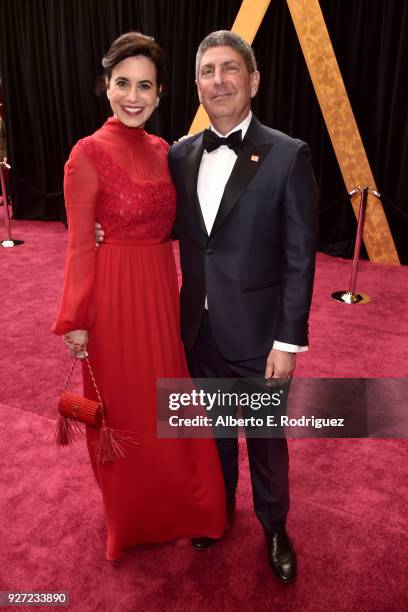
column 246, row 224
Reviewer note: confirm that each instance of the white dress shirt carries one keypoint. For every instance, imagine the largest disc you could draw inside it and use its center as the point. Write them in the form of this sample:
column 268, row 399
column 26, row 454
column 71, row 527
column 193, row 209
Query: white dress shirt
column 213, row 174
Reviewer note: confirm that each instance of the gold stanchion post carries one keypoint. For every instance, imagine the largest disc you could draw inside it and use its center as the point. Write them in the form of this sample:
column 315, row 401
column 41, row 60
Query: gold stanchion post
column 350, row 296
column 8, row 242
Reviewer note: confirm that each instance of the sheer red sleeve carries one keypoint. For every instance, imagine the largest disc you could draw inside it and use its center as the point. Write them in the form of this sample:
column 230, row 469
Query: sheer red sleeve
column 80, row 191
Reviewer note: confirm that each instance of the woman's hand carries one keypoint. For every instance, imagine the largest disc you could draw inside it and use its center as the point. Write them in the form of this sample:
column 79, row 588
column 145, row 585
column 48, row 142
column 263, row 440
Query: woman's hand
column 99, row 234
column 77, row 342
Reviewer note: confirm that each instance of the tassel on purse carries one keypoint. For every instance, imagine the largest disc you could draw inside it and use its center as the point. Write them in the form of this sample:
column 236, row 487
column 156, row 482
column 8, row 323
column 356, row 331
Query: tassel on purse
column 75, row 409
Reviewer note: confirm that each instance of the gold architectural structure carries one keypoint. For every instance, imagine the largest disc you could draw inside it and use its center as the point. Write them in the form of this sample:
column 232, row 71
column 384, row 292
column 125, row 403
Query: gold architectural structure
column 337, row 113
column 341, row 125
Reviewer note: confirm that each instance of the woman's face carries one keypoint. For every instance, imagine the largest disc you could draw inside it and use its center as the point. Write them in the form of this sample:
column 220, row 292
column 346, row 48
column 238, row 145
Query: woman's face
column 132, row 90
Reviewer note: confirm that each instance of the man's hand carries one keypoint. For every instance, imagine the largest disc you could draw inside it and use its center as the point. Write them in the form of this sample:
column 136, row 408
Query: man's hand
column 99, row 234
column 77, row 342
column 280, row 364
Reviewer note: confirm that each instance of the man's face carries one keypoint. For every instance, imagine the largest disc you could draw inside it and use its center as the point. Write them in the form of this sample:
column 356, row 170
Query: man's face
column 225, row 87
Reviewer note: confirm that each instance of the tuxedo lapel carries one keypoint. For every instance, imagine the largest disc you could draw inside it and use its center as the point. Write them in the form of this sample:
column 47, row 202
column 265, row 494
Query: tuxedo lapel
column 248, row 162
column 193, row 159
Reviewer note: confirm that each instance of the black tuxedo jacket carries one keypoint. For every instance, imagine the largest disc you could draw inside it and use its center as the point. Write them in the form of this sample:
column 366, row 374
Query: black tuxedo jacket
column 257, row 265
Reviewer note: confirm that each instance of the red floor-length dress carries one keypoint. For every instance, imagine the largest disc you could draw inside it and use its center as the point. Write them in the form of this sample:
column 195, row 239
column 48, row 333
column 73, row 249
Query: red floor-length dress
column 125, row 294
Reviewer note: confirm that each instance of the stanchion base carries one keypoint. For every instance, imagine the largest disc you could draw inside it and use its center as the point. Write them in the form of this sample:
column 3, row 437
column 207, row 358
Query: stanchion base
column 350, row 298
column 8, row 244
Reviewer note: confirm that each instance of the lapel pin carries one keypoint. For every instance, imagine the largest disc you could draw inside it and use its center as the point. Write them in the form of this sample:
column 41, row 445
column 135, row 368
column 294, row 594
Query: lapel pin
column 255, row 158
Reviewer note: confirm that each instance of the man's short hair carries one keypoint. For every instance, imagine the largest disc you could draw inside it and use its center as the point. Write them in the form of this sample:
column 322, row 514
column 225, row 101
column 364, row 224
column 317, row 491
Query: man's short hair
column 226, row 38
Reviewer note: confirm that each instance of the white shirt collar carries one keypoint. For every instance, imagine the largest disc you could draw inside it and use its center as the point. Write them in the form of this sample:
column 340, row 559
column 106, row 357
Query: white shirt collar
column 244, row 125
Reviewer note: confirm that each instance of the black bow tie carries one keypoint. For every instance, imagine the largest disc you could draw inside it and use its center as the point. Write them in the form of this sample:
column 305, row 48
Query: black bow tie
column 211, row 141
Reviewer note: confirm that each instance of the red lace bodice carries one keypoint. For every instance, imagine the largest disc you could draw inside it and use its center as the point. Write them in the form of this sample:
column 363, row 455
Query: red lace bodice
column 119, row 177
column 136, row 198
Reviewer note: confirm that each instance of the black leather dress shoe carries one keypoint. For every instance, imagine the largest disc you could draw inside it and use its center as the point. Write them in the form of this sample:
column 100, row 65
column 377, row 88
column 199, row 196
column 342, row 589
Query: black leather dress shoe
column 281, row 555
column 203, row 543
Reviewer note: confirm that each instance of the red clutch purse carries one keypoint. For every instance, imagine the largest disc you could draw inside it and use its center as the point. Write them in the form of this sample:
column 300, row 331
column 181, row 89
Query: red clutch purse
column 75, row 409
column 73, row 406
column 79, row 408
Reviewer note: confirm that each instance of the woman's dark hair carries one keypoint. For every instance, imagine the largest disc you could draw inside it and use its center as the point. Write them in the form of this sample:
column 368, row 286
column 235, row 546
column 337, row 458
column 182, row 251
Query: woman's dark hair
column 133, row 44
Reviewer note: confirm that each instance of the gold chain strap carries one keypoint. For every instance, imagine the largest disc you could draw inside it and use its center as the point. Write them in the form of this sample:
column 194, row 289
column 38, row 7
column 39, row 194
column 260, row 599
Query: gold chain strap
column 92, row 377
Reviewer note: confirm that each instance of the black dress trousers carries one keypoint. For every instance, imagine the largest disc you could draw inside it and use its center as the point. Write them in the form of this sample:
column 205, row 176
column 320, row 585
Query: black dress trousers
column 268, row 456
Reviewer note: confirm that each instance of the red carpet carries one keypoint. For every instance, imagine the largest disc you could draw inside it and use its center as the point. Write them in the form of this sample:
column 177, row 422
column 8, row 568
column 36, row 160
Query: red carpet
column 349, row 497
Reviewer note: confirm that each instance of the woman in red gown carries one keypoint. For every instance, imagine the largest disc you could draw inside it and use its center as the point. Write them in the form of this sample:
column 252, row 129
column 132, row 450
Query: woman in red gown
column 120, row 303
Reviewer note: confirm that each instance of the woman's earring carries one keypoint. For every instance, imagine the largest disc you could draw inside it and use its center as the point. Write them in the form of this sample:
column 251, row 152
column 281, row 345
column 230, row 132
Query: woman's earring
column 108, row 95
column 157, row 102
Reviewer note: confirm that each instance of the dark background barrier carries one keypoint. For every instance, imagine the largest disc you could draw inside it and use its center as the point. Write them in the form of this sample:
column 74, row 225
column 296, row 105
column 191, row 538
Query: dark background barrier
column 50, row 52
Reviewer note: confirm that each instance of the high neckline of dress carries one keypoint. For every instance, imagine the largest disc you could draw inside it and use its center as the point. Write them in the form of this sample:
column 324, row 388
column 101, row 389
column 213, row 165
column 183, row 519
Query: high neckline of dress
column 117, row 127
